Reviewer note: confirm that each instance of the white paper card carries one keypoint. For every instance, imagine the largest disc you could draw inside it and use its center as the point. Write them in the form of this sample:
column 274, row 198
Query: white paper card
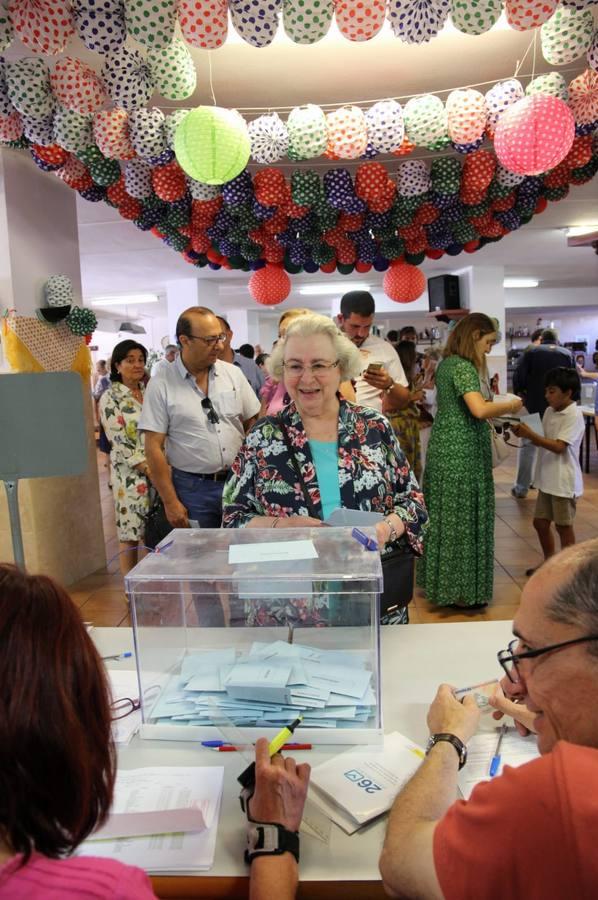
column 277, row 551
column 515, row 750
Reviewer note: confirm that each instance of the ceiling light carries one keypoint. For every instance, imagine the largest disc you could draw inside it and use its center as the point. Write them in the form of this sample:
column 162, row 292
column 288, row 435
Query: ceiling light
column 124, row 300
column 579, row 230
column 520, row 282
column 132, row 328
column 311, row 290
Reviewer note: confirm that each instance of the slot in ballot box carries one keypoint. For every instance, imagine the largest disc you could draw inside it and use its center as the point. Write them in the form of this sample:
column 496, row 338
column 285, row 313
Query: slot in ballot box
column 250, row 628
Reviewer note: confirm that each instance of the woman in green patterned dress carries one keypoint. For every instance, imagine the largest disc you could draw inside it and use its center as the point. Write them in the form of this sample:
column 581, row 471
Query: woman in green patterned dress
column 458, row 563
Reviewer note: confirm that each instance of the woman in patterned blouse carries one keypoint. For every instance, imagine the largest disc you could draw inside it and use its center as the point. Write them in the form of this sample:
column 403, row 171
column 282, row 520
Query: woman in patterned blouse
column 120, row 408
column 347, row 454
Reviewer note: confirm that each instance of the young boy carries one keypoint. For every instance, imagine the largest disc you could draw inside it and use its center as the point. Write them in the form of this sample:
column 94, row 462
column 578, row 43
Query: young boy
column 558, row 472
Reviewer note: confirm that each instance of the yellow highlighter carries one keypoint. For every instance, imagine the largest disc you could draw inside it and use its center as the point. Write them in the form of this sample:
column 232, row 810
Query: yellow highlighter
column 247, row 778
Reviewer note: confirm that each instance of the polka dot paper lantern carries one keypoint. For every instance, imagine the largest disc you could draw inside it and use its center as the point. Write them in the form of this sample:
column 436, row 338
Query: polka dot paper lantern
column 111, row 133
column 77, row 87
column 6, row 107
column 593, row 52
column 426, row 121
column 82, row 321
column 347, row 133
column 212, row 144
column 308, row 132
column 417, row 21
column 385, row 126
column 360, row 20
column 534, row 135
column 72, row 131
column 445, row 175
column 270, row 285
column 506, row 178
column 403, row 283
column 43, row 26
column 499, row 98
column 525, row 14
column 39, row 131
column 147, row 132
column 58, row 290
column 173, row 70
column 138, row 179
column 551, row 83
column 128, row 78
column 583, row 98
column 171, row 123
column 204, row 23
column 256, row 21
column 101, row 26
column 75, row 174
column 307, row 21
column 475, row 16
column 11, row 127
column 169, row 182
column 201, row 191
column 413, row 178
column 567, row 35
column 269, row 139
column 28, row 87
column 466, row 116
column 6, row 29
column 151, row 22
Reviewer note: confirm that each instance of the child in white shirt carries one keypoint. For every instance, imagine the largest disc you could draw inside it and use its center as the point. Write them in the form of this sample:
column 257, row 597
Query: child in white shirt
column 558, row 472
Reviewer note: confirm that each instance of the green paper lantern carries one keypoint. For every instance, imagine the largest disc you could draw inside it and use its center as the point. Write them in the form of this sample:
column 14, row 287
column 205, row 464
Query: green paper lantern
column 105, row 172
column 415, row 259
column 212, row 144
column 81, row 321
column 345, row 268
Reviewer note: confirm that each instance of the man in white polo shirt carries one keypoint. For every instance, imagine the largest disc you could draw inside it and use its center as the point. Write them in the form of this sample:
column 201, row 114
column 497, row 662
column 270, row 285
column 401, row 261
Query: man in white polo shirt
column 195, row 416
column 382, row 370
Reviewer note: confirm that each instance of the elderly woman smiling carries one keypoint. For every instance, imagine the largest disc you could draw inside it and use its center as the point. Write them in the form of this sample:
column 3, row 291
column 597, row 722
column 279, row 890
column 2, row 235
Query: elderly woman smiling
column 347, row 455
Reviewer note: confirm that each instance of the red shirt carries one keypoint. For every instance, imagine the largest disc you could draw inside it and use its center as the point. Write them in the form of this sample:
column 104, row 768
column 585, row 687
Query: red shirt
column 530, row 834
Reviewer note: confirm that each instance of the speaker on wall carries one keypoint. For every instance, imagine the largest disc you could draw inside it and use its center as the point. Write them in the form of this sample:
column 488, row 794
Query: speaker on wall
column 443, row 292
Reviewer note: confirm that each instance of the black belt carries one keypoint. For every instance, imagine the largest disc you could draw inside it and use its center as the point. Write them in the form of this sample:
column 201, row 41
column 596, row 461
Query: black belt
column 212, row 476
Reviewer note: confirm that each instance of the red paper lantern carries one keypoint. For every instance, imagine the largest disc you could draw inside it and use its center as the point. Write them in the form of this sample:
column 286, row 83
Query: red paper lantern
column 403, row 282
column 534, row 135
column 362, row 267
column 270, row 285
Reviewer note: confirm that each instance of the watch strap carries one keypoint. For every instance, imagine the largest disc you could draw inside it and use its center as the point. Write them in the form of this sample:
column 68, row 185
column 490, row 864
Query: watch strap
column 457, row 743
column 270, row 839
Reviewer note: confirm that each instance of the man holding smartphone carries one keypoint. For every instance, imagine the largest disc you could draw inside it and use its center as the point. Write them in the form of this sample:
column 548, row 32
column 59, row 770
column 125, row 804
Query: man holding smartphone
column 382, row 370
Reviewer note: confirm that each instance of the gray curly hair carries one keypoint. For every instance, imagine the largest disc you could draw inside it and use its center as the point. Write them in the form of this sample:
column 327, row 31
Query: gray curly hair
column 349, row 357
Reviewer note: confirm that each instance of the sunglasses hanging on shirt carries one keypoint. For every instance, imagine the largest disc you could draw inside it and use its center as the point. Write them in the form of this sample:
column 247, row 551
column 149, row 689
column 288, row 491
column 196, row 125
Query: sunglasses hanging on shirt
column 211, row 412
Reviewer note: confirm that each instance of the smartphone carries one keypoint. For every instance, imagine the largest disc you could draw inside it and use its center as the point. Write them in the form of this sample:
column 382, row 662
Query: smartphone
column 374, row 367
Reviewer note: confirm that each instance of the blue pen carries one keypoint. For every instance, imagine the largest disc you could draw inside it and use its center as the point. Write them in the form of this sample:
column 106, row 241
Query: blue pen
column 214, row 743
column 495, row 764
column 124, row 655
column 367, row 542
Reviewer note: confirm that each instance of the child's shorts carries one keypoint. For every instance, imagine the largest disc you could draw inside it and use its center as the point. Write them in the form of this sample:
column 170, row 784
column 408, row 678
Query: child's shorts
column 560, row 510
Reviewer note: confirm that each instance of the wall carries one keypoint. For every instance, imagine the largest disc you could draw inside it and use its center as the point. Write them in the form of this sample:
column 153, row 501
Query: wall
column 570, row 326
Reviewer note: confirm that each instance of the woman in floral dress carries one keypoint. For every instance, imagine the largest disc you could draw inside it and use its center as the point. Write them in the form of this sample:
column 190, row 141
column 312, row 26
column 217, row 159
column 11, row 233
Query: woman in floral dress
column 120, row 408
column 458, row 564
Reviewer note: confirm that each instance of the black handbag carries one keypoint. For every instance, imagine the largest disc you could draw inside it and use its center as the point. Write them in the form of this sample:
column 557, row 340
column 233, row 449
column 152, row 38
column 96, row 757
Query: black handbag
column 157, row 525
column 398, row 562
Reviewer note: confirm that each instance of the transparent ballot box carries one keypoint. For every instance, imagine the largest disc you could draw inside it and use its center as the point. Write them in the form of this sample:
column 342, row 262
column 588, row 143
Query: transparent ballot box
column 250, row 628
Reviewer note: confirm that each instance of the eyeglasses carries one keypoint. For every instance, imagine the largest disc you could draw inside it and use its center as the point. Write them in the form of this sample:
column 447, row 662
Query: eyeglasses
column 212, row 414
column 210, row 341
column 124, row 707
column 510, row 660
column 295, row 370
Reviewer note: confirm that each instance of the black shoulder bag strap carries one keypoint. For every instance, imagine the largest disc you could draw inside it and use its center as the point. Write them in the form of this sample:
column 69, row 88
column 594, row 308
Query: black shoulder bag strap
column 306, row 497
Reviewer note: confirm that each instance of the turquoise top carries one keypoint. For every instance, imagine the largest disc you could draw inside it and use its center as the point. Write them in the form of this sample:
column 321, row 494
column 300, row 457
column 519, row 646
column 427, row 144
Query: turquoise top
column 325, row 457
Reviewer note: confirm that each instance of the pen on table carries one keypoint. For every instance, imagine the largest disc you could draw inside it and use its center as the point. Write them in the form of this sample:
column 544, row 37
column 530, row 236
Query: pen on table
column 473, row 687
column 230, row 748
column 247, row 778
column 126, row 655
column 368, row 543
column 495, row 763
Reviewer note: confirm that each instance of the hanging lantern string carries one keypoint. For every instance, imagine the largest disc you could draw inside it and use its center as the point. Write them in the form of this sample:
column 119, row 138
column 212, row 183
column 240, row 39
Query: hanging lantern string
column 524, row 57
column 210, row 75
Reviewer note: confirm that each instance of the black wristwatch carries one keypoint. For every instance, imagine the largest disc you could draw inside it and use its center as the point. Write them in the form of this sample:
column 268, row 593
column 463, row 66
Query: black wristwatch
column 451, row 739
column 270, row 839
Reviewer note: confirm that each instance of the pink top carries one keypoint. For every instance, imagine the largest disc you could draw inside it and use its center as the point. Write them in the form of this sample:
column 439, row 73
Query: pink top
column 273, row 392
column 83, row 877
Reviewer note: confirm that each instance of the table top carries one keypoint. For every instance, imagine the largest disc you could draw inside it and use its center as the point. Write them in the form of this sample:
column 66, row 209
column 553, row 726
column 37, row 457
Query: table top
column 414, row 660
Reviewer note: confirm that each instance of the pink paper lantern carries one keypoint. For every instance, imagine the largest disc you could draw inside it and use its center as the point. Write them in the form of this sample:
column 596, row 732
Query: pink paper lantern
column 403, row 282
column 270, row 285
column 534, row 135
column 583, row 97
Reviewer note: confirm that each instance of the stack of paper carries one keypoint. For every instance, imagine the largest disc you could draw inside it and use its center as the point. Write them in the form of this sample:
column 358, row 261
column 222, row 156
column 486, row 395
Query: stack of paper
column 514, row 751
column 162, row 819
column 359, row 785
column 268, row 686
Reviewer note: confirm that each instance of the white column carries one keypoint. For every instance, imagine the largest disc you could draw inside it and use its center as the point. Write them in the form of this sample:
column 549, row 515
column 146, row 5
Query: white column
column 483, row 291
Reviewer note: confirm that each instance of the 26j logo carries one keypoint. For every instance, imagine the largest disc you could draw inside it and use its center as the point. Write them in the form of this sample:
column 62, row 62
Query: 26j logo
column 359, row 779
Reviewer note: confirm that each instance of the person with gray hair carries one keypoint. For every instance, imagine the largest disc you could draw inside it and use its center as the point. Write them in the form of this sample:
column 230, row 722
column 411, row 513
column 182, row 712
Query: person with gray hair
column 528, row 382
column 322, row 452
column 534, row 825
column 171, row 351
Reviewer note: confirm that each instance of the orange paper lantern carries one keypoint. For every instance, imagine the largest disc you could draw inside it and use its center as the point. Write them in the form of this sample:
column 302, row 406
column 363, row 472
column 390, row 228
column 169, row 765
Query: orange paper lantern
column 270, row 285
column 404, row 283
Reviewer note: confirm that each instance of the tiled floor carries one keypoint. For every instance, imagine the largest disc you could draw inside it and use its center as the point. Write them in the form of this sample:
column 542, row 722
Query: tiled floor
column 102, row 600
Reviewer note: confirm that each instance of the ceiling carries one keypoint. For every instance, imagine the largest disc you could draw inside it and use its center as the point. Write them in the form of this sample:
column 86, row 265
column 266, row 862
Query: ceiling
column 117, row 258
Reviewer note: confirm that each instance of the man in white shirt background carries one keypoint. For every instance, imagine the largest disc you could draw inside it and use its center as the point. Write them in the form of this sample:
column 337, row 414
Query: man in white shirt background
column 382, row 370
column 249, row 368
column 171, row 351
